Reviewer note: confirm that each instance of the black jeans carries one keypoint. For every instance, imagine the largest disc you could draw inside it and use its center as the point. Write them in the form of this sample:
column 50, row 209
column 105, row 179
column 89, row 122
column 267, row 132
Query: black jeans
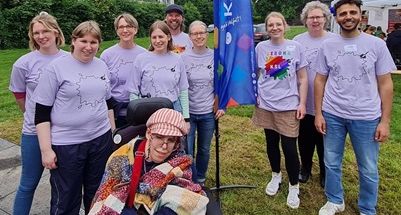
column 289, row 146
column 308, row 138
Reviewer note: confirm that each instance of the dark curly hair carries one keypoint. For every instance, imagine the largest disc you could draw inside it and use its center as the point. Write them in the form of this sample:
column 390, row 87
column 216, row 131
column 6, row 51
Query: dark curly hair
column 358, row 3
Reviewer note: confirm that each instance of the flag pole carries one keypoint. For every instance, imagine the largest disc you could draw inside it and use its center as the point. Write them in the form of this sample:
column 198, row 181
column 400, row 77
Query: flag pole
column 233, row 46
column 218, row 185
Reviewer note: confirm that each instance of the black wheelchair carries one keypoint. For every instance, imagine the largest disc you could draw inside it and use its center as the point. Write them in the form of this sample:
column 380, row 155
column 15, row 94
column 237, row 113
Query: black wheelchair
column 138, row 112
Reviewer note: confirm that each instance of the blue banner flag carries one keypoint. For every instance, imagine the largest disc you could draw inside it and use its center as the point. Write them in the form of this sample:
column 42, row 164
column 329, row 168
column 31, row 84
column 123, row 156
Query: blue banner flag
column 234, row 53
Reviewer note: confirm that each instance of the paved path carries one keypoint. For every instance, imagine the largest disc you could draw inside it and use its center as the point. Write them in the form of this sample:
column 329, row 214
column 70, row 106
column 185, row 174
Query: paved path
column 10, row 171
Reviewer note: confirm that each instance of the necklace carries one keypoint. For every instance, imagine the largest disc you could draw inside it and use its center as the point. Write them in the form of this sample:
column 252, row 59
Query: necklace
column 147, row 164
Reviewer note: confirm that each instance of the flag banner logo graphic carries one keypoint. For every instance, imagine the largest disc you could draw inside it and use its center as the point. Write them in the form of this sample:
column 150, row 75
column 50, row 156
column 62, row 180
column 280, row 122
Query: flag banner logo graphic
column 234, row 53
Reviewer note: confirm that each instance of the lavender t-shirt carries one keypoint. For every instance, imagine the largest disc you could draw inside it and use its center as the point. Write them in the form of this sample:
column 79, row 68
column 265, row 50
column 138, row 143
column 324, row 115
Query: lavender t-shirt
column 160, row 75
column 278, row 83
column 120, row 64
column 352, row 66
column 24, row 78
column 181, row 42
column 78, row 93
column 199, row 68
column 311, row 46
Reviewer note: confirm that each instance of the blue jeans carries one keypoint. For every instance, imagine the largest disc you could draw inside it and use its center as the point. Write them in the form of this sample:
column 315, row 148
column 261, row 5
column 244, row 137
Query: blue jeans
column 203, row 124
column 31, row 173
column 366, row 151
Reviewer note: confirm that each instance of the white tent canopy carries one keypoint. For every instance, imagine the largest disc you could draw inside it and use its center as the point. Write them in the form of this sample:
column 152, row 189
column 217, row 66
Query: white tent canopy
column 381, row 3
column 376, row 3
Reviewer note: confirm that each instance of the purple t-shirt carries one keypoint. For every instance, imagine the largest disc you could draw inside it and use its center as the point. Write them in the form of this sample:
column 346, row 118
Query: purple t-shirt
column 278, row 83
column 159, row 75
column 311, row 46
column 199, row 68
column 352, row 66
column 24, row 78
column 120, row 63
column 78, row 93
column 181, row 42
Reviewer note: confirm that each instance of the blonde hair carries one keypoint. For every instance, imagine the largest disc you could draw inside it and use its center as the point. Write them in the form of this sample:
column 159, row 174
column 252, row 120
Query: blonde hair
column 197, row 23
column 163, row 27
column 316, row 5
column 130, row 19
column 88, row 27
column 277, row 15
column 51, row 24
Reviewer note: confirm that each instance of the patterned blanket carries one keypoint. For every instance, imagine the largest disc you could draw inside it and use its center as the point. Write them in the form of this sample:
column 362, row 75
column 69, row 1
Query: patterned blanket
column 168, row 184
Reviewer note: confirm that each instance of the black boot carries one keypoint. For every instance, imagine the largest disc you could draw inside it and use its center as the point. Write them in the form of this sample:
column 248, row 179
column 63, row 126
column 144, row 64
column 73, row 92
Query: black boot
column 303, row 176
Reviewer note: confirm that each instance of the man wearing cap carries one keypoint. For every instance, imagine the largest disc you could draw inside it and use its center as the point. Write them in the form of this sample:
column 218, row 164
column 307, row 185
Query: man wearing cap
column 164, row 175
column 175, row 21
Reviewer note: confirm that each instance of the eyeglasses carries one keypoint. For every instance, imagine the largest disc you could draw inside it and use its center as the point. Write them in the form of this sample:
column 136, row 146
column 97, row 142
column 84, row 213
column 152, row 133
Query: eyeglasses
column 172, row 143
column 128, row 27
column 195, row 34
column 315, row 17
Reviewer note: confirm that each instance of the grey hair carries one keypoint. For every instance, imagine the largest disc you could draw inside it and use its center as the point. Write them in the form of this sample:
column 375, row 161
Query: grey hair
column 196, row 23
column 316, row 5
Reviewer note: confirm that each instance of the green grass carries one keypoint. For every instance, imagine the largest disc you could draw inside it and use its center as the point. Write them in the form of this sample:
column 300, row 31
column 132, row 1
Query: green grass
column 243, row 156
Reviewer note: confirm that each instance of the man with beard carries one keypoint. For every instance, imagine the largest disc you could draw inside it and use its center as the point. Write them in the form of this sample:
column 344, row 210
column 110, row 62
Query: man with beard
column 353, row 95
column 175, row 21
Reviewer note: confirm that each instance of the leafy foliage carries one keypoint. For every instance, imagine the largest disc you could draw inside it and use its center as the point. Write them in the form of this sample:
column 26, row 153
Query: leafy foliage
column 191, row 13
column 289, row 8
column 16, row 14
column 203, row 7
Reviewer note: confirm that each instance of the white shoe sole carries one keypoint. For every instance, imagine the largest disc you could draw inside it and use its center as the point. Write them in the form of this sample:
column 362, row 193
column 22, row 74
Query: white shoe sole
column 293, row 206
column 272, row 193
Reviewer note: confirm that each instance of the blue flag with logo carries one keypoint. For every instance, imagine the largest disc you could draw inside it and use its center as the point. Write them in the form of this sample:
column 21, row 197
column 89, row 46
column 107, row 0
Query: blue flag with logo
column 234, row 53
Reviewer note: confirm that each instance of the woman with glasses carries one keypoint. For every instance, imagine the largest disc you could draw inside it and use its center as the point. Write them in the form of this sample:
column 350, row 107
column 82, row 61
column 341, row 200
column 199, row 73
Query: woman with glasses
column 160, row 72
column 282, row 88
column 198, row 63
column 316, row 17
column 151, row 174
column 120, row 60
column 74, row 120
column 45, row 39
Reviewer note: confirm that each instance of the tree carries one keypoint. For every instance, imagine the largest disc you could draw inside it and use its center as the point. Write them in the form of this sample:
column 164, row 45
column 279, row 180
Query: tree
column 204, row 8
column 289, row 8
column 191, row 13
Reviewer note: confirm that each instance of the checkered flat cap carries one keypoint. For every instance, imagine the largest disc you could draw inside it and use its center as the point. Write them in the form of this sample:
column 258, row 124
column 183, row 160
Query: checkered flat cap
column 167, row 122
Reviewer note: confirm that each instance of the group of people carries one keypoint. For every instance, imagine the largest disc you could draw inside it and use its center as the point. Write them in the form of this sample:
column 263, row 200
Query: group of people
column 72, row 102
column 313, row 90
column 316, row 89
column 393, row 40
column 375, row 31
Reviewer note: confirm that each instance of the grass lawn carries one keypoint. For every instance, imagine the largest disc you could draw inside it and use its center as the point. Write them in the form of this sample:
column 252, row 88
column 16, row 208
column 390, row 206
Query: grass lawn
column 243, row 156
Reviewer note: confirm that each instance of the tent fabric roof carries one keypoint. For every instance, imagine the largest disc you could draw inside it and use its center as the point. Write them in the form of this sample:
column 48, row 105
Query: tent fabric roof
column 381, row 3
column 376, row 3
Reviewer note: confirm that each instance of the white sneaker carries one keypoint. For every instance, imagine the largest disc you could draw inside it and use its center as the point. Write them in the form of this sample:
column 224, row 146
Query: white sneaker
column 292, row 198
column 331, row 208
column 274, row 184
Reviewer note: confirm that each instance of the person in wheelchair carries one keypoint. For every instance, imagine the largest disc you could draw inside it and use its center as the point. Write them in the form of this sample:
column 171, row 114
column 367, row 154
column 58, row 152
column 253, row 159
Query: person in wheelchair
column 151, row 175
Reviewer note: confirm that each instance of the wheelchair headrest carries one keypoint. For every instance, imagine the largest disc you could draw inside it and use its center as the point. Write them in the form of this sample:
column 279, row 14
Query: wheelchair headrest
column 139, row 110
